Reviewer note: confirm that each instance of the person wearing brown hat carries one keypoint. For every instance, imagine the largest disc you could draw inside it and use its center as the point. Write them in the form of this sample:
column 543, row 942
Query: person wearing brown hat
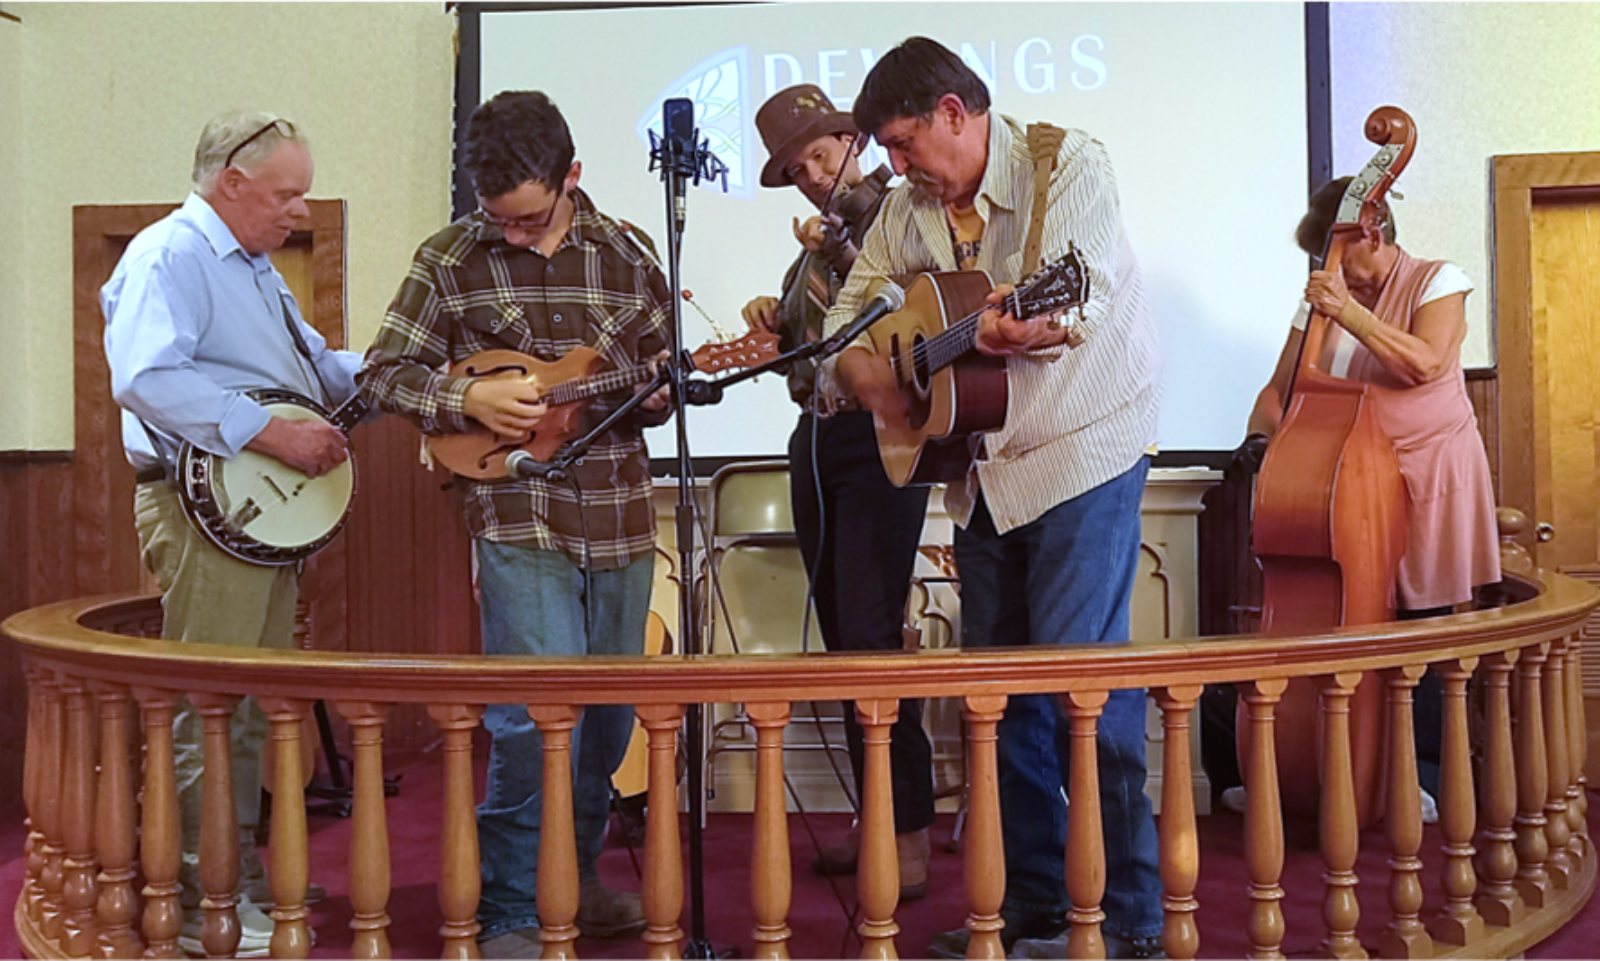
column 858, row 533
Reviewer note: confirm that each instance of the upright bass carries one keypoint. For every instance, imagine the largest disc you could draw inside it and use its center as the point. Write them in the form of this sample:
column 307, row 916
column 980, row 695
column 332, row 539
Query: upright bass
column 1329, row 519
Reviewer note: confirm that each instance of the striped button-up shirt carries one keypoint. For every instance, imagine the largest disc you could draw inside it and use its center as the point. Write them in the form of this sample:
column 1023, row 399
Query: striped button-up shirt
column 1078, row 417
column 469, row 291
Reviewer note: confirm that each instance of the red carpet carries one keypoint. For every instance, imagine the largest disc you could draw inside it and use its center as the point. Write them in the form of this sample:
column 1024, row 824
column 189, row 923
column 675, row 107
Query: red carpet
column 819, row 914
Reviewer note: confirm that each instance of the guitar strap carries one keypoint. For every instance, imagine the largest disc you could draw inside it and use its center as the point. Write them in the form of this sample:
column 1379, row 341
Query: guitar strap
column 1044, row 143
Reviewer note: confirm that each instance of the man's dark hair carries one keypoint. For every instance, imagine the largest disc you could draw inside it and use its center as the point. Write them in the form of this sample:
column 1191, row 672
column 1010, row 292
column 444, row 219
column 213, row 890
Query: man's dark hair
column 908, row 82
column 1312, row 234
column 516, row 137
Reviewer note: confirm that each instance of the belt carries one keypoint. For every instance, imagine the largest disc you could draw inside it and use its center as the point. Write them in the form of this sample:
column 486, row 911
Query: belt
column 820, row 406
column 149, row 475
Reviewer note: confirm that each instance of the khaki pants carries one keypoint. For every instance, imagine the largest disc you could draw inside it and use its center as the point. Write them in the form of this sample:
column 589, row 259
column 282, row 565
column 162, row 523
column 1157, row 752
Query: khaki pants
column 212, row 598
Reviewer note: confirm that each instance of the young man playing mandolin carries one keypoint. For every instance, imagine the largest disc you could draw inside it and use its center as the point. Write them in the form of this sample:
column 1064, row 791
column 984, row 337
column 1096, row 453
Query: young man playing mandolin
column 564, row 568
column 858, row 533
column 1047, row 516
column 196, row 316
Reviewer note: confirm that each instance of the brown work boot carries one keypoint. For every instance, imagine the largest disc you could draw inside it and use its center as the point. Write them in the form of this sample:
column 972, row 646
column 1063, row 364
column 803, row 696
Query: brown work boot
column 913, row 849
column 604, row 913
column 838, row 860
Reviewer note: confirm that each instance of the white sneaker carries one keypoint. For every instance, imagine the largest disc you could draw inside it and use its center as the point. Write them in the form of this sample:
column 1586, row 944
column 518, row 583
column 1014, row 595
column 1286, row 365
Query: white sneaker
column 1234, row 799
column 1430, row 807
column 255, row 932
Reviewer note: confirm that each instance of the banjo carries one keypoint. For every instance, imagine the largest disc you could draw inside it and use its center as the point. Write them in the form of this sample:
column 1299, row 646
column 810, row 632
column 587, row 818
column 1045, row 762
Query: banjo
column 258, row 508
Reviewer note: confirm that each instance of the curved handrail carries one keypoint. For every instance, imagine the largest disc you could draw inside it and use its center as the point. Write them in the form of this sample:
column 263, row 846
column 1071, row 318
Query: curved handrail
column 57, row 637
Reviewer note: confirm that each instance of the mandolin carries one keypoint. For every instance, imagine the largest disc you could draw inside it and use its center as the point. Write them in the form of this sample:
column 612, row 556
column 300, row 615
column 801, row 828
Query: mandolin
column 565, row 385
column 953, row 393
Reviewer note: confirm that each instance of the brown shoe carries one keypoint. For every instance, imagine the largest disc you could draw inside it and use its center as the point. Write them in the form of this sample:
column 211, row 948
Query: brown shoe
column 838, row 860
column 913, row 849
column 604, row 913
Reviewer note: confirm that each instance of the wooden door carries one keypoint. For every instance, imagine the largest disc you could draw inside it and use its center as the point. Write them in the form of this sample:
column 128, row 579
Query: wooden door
column 1547, row 325
column 396, row 580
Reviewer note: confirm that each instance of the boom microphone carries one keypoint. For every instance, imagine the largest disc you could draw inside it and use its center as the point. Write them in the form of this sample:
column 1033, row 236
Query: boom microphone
column 522, row 465
column 888, row 299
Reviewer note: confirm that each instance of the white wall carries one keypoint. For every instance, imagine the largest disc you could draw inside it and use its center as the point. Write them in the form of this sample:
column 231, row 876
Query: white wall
column 1479, row 79
column 112, row 99
column 14, row 416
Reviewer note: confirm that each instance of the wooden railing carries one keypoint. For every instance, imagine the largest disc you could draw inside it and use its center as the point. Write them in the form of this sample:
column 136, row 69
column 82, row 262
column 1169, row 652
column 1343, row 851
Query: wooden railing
column 1517, row 859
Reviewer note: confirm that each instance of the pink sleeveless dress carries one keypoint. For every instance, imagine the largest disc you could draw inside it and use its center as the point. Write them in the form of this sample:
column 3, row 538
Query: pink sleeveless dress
column 1452, row 543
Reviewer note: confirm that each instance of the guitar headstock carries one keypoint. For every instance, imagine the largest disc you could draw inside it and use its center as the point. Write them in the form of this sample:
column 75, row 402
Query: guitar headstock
column 756, row 347
column 1058, row 286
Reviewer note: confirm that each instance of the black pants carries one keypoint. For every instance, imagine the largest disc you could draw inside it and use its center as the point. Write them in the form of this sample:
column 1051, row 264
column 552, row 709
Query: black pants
column 858, row 534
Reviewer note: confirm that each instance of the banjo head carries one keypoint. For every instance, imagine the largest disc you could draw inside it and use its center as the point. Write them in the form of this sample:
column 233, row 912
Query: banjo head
column 259, row 509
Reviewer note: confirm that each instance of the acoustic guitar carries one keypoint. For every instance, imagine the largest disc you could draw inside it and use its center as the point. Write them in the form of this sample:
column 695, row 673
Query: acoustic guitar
column 565, row 385
column 953, row 393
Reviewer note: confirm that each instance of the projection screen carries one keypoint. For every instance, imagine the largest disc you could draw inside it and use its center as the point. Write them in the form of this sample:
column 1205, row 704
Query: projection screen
column 1202, row 107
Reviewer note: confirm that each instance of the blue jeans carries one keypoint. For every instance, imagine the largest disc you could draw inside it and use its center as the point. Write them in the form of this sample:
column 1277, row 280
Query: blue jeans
column 533, row 604
column 1066, row 578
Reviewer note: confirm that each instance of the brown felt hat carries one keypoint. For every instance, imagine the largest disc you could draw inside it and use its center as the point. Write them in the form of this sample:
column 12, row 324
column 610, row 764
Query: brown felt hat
column 792, row 118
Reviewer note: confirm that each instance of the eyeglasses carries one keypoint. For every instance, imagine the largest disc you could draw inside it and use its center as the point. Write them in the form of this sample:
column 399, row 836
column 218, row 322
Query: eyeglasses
column 535, row 221
column 285, row 129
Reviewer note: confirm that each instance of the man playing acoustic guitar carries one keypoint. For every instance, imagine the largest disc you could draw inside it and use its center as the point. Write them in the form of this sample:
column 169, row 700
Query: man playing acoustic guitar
column 563, row 568
column 196, row 316
column 1048, row 514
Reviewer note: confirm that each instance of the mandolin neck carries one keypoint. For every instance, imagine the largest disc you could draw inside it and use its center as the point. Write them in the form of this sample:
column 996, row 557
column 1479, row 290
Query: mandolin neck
column 584, row 388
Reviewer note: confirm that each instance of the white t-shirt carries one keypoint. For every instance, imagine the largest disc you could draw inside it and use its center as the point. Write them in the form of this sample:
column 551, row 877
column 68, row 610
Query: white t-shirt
column 1449, row 280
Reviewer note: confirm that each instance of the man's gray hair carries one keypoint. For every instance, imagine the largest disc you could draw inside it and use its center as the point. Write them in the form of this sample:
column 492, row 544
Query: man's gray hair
column 224, row 133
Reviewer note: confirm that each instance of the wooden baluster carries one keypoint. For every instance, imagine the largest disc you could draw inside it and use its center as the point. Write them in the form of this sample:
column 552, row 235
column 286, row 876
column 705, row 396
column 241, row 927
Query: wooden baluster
column 1263, row 819
column 115, row 836
column 80, row 890
column 770, row 869
column 1406, row 936
column 290, row 870
column 1557, row 832
column 460, row 880
column 558, row 845
column 878, row 865
column 985, row 854
column 1458, row 922
column 160, row 840
column 1533, row 881
column 1180, row 841
column 1577, row 756
column 52, row 873
column 34, row 763
column 219, row 827
column 369, row 852
column 1337, row 821
column 1497, row 898
column 1086, row 851
column 663, row 852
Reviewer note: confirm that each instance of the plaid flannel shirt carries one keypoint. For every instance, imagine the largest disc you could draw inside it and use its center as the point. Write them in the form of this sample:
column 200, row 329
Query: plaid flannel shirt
column 468, row 291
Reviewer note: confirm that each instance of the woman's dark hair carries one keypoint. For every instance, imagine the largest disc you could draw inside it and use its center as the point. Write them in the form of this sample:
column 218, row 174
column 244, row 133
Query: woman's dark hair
column 516, row 137
column 1312, row 234
column 908, row 82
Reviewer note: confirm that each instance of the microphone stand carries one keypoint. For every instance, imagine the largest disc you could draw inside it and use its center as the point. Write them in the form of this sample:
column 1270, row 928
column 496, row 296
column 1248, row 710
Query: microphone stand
column 680, row 159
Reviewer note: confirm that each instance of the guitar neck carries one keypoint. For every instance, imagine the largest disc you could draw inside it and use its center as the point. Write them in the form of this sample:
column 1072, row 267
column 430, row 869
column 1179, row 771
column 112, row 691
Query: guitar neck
column 961, row 337
column 593, row 386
